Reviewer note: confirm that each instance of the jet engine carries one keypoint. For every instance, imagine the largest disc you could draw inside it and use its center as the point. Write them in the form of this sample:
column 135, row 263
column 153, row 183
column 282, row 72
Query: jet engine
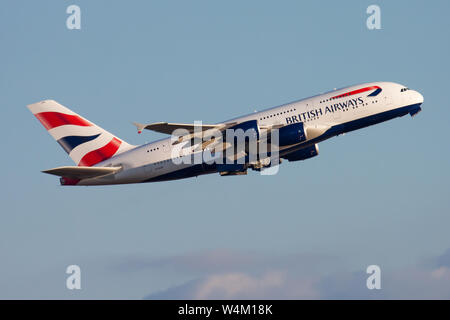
column 303, row 154
column 291, row 134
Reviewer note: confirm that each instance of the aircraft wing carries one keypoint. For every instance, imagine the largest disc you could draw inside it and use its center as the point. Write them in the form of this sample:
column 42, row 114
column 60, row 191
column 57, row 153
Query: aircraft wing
column 82, row 172
column 203, row 131
column 168, row 128
column 195, row 130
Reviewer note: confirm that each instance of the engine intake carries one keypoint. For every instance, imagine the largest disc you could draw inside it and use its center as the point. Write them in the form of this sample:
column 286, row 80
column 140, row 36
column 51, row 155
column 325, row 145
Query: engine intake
column 292, row 134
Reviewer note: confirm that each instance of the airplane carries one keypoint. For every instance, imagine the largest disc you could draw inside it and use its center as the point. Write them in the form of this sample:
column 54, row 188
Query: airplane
column 101, row 158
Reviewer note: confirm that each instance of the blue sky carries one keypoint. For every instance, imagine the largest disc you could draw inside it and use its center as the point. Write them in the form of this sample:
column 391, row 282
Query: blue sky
column 375, row 196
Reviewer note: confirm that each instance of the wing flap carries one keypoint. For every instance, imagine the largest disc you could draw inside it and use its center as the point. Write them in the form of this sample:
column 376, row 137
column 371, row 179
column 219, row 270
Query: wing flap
column 82, row 172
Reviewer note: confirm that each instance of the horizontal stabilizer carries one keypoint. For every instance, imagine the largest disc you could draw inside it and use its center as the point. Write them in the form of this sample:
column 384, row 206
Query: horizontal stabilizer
column 82, row 172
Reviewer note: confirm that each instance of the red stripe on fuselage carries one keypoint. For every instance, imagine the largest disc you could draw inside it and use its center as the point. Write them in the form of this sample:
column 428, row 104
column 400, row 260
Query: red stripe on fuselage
column 52, row 120
column 355, row 92
column 101, row 154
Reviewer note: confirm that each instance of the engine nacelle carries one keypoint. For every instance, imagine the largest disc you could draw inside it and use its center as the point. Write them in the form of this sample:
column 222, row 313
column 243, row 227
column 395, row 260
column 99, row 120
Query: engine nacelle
column 303, row 154
column 249, row 127
column 292, row 134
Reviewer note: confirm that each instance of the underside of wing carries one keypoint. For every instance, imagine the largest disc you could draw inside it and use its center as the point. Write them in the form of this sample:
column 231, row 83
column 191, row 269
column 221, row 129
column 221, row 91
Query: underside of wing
column 82, row 172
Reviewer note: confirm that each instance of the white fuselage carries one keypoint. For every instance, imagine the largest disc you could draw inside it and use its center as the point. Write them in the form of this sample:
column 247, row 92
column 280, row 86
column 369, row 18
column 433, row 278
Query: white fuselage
column 342, row 110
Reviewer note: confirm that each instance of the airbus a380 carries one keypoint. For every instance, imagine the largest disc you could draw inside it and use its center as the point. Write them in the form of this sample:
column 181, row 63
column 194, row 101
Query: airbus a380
column 102, row 158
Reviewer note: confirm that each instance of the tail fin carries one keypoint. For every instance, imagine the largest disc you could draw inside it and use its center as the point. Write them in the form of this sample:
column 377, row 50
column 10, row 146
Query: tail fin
column 86, row 143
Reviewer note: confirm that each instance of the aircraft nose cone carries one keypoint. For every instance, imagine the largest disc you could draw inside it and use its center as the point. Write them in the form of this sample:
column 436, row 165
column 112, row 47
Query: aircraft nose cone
column 418, row 97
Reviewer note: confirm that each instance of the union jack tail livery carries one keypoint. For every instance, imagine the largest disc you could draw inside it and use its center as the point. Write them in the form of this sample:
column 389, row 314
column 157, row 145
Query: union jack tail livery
column 86, row 143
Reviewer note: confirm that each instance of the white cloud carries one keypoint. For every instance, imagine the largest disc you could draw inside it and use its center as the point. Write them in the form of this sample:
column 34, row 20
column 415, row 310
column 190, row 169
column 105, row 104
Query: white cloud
column 231, row 285
column 270, row 285
column 440, row 273
column 234, row 275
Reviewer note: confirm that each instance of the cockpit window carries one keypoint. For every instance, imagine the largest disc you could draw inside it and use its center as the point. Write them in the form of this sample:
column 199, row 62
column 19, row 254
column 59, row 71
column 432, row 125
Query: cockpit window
column 404, row 89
